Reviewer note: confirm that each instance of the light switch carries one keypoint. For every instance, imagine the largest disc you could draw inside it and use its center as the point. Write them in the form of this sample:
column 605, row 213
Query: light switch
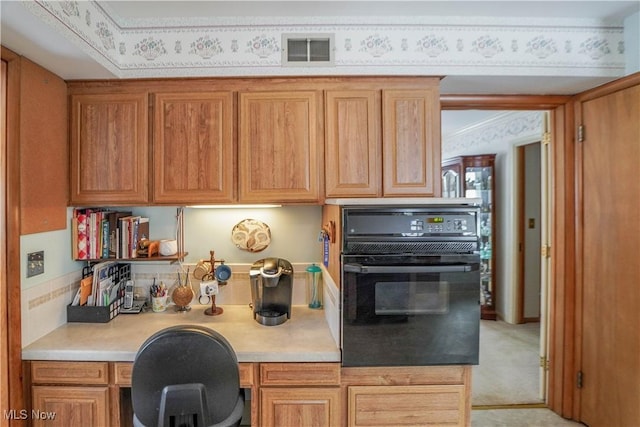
column 35, row 263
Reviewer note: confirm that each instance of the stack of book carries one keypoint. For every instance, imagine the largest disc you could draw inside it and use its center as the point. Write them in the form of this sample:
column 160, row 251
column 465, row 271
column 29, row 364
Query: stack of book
column 102, row 234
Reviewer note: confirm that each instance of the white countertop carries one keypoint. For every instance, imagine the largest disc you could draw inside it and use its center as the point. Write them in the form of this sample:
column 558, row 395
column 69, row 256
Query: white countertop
column 303, row 338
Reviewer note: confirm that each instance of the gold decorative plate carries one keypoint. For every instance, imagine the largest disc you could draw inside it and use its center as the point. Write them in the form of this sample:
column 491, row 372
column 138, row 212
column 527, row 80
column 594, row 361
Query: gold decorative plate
column 251, row 235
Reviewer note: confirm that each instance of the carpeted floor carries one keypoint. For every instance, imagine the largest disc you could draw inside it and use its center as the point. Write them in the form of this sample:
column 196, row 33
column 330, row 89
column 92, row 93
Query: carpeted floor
column 522, row 417
column 508, row 372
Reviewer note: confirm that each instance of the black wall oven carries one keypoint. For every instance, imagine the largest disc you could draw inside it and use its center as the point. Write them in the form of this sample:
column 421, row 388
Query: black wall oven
column 410, row 286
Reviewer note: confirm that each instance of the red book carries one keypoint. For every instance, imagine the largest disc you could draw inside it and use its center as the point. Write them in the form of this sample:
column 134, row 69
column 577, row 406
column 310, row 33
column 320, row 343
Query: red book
column 83, row 237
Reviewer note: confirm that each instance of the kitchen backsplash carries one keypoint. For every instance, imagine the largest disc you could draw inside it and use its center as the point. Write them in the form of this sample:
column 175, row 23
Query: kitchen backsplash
column 44, row 305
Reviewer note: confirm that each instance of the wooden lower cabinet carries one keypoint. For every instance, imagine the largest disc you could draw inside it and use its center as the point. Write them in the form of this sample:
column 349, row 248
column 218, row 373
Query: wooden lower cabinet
column 299, row 394
column 300, row 406
column 70, row 406
column 407, row 396
column 412, row 405
column 69, row 394
column 282, row 394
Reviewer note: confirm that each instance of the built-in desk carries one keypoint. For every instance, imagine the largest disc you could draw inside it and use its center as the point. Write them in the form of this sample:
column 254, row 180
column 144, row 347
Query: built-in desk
column 86, row 367
column 303, row 338
column 83, row 371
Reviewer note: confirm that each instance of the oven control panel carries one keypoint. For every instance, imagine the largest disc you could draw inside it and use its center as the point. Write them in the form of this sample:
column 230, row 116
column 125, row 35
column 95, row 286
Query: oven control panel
column 443, row 224
column 411, row 223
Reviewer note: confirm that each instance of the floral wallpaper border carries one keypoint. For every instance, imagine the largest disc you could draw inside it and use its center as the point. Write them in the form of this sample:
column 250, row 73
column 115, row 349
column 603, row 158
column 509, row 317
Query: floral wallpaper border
column 404, row 48
column 503, row 128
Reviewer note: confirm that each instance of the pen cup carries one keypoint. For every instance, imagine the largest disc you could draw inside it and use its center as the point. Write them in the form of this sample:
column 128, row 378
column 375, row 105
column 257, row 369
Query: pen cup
column 159, row 304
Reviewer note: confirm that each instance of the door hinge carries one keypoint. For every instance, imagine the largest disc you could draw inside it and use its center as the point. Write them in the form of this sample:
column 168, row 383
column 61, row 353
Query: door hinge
column 579, row 379
column 546, row 138
column 544, row 363
column 581, row 133
column 545, row 251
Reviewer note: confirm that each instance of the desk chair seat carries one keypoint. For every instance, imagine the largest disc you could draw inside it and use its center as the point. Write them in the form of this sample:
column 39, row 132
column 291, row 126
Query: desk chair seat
column 186, row 376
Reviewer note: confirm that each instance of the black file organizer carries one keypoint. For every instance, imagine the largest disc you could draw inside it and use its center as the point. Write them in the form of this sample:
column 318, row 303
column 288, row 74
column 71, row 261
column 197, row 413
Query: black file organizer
column 120, row 273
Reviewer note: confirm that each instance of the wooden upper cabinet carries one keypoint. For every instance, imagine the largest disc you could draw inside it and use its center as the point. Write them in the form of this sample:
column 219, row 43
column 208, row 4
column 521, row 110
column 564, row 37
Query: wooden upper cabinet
column 109, row 149
column 411, row 147
column 44, row 136
column 383, row 142
column 193, row 148
column 353, row 163
column 280, row 146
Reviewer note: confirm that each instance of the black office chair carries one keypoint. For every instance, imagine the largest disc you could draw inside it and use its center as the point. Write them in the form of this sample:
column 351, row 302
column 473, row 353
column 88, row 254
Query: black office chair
column 186, row 376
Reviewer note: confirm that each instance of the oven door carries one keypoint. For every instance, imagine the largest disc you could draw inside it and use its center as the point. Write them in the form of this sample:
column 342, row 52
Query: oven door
column 410, row 310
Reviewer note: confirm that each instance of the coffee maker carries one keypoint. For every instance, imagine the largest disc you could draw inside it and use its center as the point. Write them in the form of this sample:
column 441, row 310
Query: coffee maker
column 271, row 290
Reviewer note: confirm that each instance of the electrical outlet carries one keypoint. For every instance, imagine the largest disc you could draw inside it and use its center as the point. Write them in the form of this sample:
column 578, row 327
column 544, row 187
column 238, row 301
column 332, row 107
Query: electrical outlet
column 35, row 263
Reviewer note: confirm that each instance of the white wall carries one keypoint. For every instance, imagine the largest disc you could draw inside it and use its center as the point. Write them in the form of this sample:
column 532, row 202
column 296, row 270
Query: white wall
column 632, row 43
column 44, row 297
column 500, row 136
column 294, row 234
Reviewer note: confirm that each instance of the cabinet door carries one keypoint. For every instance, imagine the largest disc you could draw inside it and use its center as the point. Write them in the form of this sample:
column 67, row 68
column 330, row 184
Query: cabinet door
column 411, row 142
column 294, row 407
column 44, row 149
column 280, row 149
column 413, row 405
column 70, row 406
column 193, row 148
column 353, row 162
column 109, row 149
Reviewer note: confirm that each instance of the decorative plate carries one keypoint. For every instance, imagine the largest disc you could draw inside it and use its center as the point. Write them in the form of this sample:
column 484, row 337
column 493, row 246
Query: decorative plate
column 251, row 235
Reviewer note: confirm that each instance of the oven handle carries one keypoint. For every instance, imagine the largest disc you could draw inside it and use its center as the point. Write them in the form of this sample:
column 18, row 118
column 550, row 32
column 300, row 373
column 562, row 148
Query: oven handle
column 364, row 269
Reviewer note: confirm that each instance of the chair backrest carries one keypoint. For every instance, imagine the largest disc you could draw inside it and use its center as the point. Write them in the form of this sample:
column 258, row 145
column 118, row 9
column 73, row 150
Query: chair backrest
column 186, row 375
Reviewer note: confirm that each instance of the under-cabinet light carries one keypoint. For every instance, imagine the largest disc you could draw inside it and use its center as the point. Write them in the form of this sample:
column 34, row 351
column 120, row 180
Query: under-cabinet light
column 234, row 206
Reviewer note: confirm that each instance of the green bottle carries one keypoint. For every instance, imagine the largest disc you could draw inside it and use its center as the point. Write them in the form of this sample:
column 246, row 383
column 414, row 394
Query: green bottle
column 314, row 286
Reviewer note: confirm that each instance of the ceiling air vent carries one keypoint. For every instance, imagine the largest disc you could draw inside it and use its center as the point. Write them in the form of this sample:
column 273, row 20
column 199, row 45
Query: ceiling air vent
column 307, row 49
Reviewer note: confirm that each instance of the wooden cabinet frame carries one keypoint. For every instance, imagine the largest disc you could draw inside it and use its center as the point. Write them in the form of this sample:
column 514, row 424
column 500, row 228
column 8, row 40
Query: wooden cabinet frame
column 293, row 394
column 277, row 152
column 109, row 149
column 280, row 146
column 383, row 140
column 72, row 392
column 193, row 148
column 353, row 143
column 411, row 142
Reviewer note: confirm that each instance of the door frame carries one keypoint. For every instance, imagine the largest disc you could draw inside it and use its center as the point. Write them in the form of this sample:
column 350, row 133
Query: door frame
column 11, row 290
column 562, row 310
column 4, row 320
